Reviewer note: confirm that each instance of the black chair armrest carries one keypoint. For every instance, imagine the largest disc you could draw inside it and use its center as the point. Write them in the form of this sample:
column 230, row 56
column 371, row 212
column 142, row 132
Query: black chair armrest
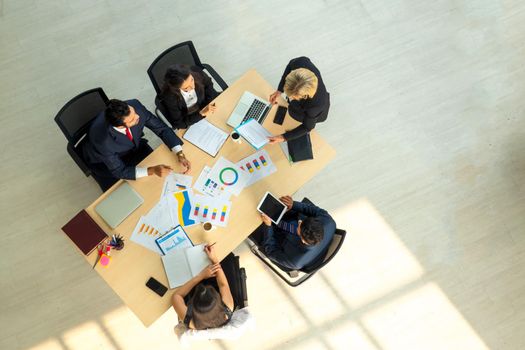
column 78, row 159
column 244, row 290
column 215, row 76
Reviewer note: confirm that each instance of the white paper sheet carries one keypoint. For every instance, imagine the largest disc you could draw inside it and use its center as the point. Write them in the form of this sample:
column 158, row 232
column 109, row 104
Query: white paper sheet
column 145, row 235
column 209, row 187
column 254, row 133
column 229, row 175
column 258, row 166
column 175, row 182
column 209, row 209
column 206, row 136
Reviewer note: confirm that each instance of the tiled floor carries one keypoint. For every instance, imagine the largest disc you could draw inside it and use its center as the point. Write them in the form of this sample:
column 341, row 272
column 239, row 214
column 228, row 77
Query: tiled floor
column 428, row 121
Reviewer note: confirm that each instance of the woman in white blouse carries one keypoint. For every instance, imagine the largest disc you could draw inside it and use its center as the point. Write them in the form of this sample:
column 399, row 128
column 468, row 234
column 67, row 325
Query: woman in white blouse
column 186, row 93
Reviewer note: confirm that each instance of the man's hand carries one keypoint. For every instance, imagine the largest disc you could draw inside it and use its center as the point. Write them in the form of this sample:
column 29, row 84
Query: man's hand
column 274, row 97
column 211, row 253
column 159, row 170
column 266, row 220
column 288, row 201
column 184, row 162
column 208, row 110
column 276, row 139
column 210, row 271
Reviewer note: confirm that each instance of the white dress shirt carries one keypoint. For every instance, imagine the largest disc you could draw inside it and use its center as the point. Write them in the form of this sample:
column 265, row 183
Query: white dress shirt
column 190, row 97
column 142, row 172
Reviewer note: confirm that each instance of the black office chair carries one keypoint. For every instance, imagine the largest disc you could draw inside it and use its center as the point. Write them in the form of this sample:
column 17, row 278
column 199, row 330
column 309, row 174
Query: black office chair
column 240, row 297
column 74, row 120
column 296, row 277
column 181, row 53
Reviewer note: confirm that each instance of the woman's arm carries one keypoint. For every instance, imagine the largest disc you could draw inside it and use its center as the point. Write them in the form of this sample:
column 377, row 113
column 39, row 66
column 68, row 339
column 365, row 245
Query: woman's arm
column 222, row 282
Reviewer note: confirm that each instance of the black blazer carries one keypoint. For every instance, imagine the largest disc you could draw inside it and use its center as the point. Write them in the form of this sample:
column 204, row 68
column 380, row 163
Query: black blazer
column 308, row 111
column 106, row 145
column 175, row 107
column 287, row 249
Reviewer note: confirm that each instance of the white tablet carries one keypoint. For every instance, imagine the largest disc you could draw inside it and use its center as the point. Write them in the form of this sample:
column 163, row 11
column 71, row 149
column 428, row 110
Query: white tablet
column 272, row 207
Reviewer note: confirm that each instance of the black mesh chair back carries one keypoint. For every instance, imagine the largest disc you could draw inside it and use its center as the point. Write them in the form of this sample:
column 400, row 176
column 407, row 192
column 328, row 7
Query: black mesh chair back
column 184, row 53
column 74, row 120
column 76, row 115
column 333, row 248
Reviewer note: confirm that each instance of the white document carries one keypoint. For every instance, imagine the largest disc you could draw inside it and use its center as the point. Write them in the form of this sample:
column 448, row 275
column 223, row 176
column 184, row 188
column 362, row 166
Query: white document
column 175, row 183
column 258, row 166
column 175, row 239
column 229, row 175
column 184, row 264
column 209, row 209
column 206, row 136
column 207, row 186
column 145, row 235
column 254, row 133
column 161, row 217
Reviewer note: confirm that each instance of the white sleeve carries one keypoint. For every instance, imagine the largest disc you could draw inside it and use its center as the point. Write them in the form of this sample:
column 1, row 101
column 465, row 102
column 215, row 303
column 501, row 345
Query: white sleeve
column 141, row 172
column 177, row 148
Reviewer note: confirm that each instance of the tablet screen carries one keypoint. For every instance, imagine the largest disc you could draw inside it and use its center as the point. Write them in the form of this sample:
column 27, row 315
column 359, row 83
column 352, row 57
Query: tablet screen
column 272, row 207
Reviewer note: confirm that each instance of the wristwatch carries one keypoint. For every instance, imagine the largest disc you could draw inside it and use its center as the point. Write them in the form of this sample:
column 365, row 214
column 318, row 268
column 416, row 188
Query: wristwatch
column 180, row 154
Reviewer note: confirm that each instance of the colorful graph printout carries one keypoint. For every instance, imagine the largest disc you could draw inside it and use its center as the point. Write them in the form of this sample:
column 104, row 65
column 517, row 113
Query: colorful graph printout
column 257, row 166
column 145, row 235
column 181, row 208
column 229, row 175
column 175, row 239
column 207, row 186
column 175, row 183
column 214, row 210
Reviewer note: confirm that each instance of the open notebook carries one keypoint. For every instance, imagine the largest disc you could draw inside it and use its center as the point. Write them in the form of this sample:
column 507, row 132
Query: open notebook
column 181, row 265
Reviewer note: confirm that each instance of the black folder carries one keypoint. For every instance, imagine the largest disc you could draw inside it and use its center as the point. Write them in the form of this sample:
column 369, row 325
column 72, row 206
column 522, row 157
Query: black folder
column 300, row 148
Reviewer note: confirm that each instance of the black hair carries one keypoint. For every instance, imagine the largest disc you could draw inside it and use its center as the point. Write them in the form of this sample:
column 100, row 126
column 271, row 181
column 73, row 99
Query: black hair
column 116, row 112
column 208, row 309
column 312, row 230
column 175, row 76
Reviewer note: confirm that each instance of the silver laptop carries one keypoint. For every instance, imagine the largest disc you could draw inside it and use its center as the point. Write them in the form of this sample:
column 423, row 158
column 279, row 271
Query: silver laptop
column 119, row 204
column 249, row 106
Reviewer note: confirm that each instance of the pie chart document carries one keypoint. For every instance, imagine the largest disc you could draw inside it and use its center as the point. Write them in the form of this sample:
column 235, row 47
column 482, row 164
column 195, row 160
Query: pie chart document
column 229, row 175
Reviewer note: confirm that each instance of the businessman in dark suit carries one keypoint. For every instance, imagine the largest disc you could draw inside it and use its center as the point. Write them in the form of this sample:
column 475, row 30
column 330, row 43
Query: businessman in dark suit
column 308, row 99
column 300, row 240
column 115, row 145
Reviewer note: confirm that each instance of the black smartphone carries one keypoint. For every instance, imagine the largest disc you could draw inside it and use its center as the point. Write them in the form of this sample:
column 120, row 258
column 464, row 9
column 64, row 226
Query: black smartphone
column 279, row 115
column 156, row 286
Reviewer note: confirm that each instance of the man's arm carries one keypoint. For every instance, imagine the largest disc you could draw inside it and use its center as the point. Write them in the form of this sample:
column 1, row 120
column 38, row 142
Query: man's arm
column 308, row 209
column 274, row 250
column 157, row 126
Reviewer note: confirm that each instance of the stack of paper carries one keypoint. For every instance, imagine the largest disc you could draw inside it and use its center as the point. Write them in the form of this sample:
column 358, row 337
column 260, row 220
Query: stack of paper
column 254, row 133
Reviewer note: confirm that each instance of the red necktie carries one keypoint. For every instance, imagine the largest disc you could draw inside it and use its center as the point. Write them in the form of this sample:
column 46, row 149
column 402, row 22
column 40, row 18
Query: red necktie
column 128, row 134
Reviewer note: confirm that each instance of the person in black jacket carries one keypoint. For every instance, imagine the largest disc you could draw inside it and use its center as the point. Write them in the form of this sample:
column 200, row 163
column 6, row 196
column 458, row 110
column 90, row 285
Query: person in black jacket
column 186, row 93
column 114, row 144
column 308, row 99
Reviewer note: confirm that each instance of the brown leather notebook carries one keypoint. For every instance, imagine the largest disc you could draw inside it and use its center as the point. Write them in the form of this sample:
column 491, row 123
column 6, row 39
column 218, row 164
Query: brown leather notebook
column 84, row 232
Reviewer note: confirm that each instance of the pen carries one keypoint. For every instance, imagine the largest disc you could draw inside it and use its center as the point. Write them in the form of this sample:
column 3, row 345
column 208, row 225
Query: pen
column 211, row 245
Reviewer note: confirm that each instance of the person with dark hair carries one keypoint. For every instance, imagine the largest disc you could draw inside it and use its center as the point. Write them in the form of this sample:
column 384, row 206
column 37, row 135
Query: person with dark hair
column 185, row 95
column 308, row 100
column 301, row 238
column 204, row 302
column 114, row 144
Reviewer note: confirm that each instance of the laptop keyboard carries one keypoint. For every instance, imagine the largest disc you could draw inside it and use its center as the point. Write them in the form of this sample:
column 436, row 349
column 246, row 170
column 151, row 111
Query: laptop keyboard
column 257, row 111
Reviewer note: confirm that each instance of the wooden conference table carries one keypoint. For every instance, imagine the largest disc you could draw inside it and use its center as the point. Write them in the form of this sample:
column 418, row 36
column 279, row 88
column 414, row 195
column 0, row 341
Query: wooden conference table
column 131, row 267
